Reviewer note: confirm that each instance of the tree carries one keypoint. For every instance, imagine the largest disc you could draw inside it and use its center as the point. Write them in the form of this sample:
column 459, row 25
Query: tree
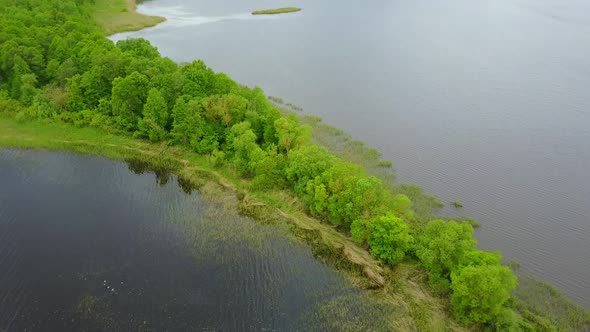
column 199, row 79
column 441, row 248
column 290, row 134
column 360, row 230
column 268, row 167
column 479, row 292
column 128, row 97
column 343, row 194
column 481, row 258
column 188, row 123
column 389, row 238
column 306, row 163
column 155, row 117
column 402, row 205
column 243, row 141
column 138, row 47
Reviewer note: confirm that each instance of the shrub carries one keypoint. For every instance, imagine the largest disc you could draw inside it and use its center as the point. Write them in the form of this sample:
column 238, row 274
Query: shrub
column 389, row 239
column 479, row 292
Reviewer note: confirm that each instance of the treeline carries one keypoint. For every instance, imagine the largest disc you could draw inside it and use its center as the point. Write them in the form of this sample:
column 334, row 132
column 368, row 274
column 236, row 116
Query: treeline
column 55, row 65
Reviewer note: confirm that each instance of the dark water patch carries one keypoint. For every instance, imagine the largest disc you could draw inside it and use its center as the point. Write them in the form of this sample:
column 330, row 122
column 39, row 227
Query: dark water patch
column 85, row 244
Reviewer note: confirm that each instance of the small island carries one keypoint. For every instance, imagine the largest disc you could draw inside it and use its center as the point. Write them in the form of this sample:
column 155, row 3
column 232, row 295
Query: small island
column 276, row 11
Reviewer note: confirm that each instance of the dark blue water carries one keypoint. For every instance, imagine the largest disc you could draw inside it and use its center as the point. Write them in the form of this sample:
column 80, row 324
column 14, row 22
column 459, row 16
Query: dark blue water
column 486, row 102
column 87, row 245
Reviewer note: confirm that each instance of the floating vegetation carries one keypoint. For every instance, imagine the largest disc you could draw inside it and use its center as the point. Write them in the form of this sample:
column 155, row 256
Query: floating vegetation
column 276, row 11
column 94, row 311
column 457, row 204
column 276, row 100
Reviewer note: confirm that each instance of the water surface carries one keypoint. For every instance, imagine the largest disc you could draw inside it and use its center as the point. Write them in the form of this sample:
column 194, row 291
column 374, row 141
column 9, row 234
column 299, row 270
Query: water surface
column 85, row 244
column 486, row 102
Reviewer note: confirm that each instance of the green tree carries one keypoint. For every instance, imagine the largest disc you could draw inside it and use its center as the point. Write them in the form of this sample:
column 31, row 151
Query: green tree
column 360, row 230
column 244, row 145
column 155, row 117
column 199, row 79
column 441, row 248
column 138, row 47
column 128, row 97
column 402, row 205
column 479, row 292
column 290, row 134
column 389, row 238
column 268, row 167
column 481, row 258
column 306, row 163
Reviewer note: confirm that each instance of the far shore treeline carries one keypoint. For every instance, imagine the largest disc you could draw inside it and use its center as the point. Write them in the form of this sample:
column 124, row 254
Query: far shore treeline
column 56, row 66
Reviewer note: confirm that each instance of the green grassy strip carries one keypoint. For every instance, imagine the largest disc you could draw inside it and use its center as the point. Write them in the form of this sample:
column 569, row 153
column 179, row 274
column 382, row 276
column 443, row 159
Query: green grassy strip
column 276, row 11
column 115, row 16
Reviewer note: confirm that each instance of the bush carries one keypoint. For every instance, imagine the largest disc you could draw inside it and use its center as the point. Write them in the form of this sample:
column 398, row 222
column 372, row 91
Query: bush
column 442, row 247
column 479, row 292
column 389, row 238
column 360, row 231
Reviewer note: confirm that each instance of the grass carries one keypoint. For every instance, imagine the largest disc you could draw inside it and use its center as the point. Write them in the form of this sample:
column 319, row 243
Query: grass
column 535, row 298
column 115, row 16
column 403, row 290
column 276, row 11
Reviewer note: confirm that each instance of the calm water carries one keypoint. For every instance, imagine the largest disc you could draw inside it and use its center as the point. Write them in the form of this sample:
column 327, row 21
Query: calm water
column 486, row 102
column 73, row 228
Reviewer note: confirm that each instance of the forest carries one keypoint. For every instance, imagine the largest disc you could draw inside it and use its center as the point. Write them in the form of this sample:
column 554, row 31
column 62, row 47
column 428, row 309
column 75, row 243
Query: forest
column 56, row 66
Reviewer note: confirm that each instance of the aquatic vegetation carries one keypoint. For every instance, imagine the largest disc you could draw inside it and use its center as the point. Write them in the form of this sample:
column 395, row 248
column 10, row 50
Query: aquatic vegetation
column 276, row 11
column 547, row 309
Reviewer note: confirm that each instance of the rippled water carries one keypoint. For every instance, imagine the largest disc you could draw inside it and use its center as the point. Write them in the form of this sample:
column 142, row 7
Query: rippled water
column 85, row 244
column 486, row 102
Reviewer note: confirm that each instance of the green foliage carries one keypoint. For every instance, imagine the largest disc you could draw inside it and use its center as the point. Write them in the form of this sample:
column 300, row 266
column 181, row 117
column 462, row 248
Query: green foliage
column 389, row 239
column 442, row 247
column 155, row 117
column 128, row 97
column 307, row 163
column 402, row 205
column 360, row 230
column 138, row 47
column 343, row 194
column 276, row 11
column 268, row 167
column 479, row 292
column 290, row 134
column 481, row 258
column 244, row 145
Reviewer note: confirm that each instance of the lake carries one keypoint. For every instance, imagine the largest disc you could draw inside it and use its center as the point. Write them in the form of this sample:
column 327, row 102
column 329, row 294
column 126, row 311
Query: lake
column 88, row 245
column 486, row 102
